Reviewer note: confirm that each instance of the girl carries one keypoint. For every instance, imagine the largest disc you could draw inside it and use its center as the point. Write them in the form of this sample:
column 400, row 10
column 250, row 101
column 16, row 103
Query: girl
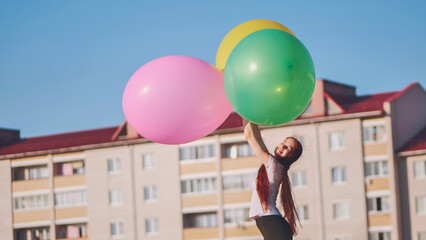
column 272, row 173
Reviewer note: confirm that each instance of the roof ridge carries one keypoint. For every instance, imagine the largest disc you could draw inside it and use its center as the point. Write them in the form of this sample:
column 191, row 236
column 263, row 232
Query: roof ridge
column 71, row 132
column 401, row 92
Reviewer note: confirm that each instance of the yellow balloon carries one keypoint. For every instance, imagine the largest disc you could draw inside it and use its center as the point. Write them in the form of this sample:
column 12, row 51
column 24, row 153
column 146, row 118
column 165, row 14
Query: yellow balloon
column 241, row 31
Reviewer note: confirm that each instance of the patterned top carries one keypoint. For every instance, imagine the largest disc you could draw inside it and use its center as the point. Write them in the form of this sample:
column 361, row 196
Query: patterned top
column 275, row 173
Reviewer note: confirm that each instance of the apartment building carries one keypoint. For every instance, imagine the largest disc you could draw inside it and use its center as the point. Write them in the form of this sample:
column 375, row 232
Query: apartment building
column 412, row 162
column 361, row 176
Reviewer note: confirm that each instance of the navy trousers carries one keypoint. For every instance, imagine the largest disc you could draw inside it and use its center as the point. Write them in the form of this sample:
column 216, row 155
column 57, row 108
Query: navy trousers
column 274, row 227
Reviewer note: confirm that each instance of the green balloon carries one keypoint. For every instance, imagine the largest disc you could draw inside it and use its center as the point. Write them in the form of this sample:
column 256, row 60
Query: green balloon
column 269, row 77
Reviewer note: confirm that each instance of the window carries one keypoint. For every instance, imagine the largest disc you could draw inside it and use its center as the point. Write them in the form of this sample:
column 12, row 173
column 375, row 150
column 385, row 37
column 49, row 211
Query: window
column 420, row 169
column 338, row 175
column 376, row 168
column 70, row 198
column 116, row 229
column 30, row 173
column 374, row 133
column 32, row 202
column 196, row 152
column 298, row 179
column 238, row 182
column 380, row 235
column 200, row 220
column 337, row 140
column 421, row 236
column 234, row 150
column 39, row 233
column 114, row 165
column 236, row 215
column 150, row 193
column 115, row 197
column 199, row 185
column 378, row 204
column 38, row 172
column 302, row 211
column 148, row 161
column 69, row 168
column 71, row 231
column 151, row 225
column 421, row 205
column 341, row 210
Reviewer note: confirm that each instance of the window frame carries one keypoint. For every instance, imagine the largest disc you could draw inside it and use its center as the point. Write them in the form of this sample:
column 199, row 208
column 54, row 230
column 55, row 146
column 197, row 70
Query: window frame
column 340, row 180
column 244, row 180
column 371, row 125
column 422, row 171
column 152, row 161
column 380, row 160
column 118, row 193
column 116, row 161
column 300, row 175
column 153, row 222
column 341, row 145
column 120, row 224
column 303, row 210
column 27, row 200
column 208, row 185
column 152, row 195
column 423, row 198
column 374, row 199
column 234, row 214
column 347, row 208
column 197, row 149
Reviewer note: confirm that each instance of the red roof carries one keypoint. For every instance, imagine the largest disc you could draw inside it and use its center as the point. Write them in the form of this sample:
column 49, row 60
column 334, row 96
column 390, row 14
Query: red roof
column 416, row 143
column 58, row 141
column 370, row 102
column 362, row 103
column 234, row 120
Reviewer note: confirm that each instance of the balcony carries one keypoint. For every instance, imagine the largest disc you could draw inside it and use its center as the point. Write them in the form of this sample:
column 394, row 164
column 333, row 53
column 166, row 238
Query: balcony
column 243, row 196
column 242, row 230
column 30, row 185
column 375, row 184
column 382, row 219
column 30, row 178
column 72, row 231
column 201, row 233
column 240, row 163
column 71, row 212
column 31, row 216
column 68, row 181
column 40, row 233
column 200, row 226
column 198, row 167
column 67, row 174
column 372, row 149
column 199, row 200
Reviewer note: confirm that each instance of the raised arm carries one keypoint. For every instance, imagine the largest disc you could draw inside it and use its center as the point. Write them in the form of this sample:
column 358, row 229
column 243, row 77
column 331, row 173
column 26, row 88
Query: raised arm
column 254, row 139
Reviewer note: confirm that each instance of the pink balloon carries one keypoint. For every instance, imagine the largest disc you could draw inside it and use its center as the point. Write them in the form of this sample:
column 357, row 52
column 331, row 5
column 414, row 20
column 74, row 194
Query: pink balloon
column 176, row 99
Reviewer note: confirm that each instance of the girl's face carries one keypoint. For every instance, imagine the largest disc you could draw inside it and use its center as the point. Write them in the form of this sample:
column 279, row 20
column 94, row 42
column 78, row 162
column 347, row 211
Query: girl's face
column 285, row 149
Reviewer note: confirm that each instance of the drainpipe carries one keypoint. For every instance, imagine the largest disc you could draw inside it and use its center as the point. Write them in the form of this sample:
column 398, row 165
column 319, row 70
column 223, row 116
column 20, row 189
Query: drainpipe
column 319, row 180
column 51, row 197
column 133, row 182
column 219, row 187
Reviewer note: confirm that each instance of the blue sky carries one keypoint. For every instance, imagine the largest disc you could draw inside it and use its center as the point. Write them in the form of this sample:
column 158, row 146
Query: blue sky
column 64, row 64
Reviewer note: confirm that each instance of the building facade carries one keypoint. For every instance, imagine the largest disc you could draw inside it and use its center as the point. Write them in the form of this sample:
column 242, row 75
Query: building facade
column 361, row 176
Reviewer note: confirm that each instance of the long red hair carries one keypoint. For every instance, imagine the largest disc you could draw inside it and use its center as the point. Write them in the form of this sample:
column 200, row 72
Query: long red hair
column 263, row 187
